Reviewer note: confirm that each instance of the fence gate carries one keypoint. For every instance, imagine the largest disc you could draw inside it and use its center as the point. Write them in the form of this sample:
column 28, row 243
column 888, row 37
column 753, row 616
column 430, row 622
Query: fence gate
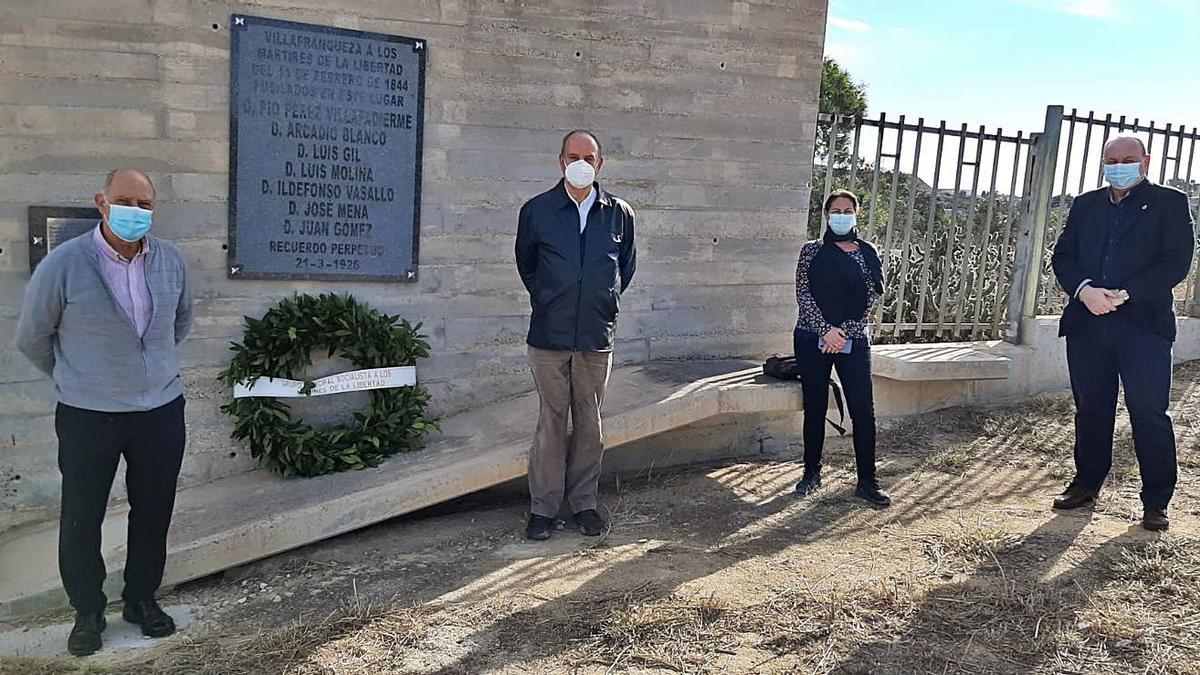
column 966, row 218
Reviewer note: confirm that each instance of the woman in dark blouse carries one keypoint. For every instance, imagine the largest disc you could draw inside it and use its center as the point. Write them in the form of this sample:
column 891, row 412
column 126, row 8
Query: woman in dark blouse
column 838, row 279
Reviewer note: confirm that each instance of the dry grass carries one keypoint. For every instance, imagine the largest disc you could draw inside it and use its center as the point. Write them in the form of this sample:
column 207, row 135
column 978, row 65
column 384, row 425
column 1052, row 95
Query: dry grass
column 964, row 544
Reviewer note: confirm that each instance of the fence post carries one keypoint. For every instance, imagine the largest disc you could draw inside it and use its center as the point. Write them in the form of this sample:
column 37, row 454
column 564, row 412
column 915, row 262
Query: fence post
column 1035, row 212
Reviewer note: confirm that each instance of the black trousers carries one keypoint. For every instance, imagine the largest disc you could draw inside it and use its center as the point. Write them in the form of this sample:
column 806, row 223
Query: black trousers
column 1106, row 351
column 854, row 372
column 90, row 445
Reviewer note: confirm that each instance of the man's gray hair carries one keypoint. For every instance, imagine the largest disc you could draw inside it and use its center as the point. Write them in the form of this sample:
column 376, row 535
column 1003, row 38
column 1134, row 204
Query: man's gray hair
column 108, row 180
column 1111, row 141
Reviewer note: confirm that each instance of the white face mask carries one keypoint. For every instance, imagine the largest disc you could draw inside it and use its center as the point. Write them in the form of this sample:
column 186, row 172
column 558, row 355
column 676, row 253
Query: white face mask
column 580, row 174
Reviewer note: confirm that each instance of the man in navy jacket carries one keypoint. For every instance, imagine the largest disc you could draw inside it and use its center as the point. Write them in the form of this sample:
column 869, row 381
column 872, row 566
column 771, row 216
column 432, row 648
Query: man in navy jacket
column 1122, row 252
column 576, row 255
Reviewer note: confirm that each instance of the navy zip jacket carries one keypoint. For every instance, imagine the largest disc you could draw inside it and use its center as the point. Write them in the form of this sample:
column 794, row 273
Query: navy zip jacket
column 575, row 280
column 1143, row 245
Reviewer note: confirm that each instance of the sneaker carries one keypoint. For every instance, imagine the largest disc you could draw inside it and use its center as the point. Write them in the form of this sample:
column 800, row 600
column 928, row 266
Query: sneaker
column 539, row 528
column 590, row 523
column 869, row 490
column 1075, row 497
column 808, row 483
column 155, row 623
column 1155, row 519
column 85, row 635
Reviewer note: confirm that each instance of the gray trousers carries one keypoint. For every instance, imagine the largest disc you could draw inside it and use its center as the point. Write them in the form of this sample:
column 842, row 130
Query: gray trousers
column 562, row 463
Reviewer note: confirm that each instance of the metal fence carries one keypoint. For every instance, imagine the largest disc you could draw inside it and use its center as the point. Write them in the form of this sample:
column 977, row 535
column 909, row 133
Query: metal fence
column 947, row 242
column 966, row 218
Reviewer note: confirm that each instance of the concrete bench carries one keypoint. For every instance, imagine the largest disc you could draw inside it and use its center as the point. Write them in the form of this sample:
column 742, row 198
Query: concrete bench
column 235, row 520
column 942, row 361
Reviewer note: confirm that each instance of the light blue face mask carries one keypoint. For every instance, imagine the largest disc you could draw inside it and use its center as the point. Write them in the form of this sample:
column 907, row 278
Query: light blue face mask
column 842, row 223
column 1123, row 176
column 129, row 223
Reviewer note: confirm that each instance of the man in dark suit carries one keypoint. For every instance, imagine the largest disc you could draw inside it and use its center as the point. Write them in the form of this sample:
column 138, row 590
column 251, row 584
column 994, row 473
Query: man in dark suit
column 1120, row 256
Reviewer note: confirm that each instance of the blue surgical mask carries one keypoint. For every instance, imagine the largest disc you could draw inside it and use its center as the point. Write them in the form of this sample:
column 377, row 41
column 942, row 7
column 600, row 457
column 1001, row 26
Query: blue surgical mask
column 1123, row 176
column 129, row 223
column 842, row 223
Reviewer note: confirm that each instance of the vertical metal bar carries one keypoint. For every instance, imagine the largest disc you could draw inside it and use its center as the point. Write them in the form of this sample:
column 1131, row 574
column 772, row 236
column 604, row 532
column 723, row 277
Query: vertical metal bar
column 928, row 244
column 913, row 182
column 1087, row 146
column 1191, row 155
column 951, row 234
column 895, row 181
column 966, row 269
column 854, row 153
column 1178, row 152
column 1166, row 153
column 1104, row 142
column 875, row 178
column 1004, row 285
column 1031, row 245
column 1150, row 144
column 982, row 272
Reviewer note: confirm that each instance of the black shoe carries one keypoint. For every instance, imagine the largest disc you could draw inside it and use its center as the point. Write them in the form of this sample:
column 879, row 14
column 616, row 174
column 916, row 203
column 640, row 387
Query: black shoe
column 85, row 636
column 155, row 623
column 808, row 483
column 539, row 527
column 1075, row 497
column 1155, row 519
column 590, row 523
column 870, row 491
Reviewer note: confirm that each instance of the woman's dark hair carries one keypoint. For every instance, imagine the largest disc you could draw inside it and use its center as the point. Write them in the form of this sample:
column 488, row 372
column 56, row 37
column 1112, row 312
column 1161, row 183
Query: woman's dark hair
column 841, row 194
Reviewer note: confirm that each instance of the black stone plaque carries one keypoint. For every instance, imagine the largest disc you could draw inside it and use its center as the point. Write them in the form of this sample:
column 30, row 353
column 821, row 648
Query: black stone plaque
column 325, row 128
column 50, row 226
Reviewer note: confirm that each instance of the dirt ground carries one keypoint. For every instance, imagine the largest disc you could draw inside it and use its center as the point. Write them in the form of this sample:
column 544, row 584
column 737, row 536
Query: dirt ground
column 722, row 570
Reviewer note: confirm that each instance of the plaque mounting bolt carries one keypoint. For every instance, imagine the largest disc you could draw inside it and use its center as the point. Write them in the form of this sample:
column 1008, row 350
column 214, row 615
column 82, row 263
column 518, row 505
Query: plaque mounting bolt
column 239, row 21
column 410, row 274
column 418, row 46
column 234, row 270
column 37, row 241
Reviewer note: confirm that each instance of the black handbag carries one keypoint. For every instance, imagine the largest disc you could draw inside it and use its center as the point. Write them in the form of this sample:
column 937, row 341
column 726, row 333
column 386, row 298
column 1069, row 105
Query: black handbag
column 786, row 368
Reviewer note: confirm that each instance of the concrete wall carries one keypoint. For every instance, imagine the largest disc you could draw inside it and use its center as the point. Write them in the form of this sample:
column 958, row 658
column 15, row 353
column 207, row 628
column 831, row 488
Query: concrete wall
column 705, row 108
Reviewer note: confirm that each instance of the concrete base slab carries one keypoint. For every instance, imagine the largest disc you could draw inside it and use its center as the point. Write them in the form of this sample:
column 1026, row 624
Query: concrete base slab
column 242, row 518
column 942, row 361
column 120, row 637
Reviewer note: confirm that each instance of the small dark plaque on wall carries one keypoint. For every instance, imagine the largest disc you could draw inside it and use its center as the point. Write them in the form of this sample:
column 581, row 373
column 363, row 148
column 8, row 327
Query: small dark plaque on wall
column 325, row 129
column 50, row 226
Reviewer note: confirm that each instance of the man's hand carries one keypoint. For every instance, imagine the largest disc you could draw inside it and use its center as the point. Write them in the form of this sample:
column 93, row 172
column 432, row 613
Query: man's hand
column 835, row 341
column 1100, row 301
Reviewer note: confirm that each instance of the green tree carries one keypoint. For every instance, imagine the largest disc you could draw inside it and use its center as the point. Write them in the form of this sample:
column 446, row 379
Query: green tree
column 840, row 95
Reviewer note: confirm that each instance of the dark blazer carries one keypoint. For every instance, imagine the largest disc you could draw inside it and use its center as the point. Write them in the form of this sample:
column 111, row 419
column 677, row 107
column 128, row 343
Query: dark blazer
column 575, row 280
column 1150, row 255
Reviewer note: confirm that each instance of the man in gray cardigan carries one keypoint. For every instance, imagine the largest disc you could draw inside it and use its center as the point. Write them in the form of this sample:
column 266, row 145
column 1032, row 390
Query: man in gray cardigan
column 103, row 316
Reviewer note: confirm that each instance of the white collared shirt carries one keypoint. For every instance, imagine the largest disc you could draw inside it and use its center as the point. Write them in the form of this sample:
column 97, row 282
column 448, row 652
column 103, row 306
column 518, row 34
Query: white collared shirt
column 584, row 207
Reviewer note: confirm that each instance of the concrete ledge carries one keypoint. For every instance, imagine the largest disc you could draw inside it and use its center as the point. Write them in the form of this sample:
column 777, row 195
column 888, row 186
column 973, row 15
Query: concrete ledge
column 242, row 518
column 942, row 361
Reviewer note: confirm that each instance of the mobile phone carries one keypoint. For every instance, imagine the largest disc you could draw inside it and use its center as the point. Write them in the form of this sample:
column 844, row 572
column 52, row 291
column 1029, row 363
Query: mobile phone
column 845, row 350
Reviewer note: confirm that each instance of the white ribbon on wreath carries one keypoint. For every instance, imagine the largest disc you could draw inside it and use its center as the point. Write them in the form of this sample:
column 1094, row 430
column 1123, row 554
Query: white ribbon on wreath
column 355, row 380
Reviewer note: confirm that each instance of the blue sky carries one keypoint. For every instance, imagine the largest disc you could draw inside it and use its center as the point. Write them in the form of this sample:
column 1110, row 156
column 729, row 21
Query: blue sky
column 1001, row 62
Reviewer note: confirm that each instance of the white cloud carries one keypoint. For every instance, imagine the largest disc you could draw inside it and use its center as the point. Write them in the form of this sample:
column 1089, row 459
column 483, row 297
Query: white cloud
column 851, row 25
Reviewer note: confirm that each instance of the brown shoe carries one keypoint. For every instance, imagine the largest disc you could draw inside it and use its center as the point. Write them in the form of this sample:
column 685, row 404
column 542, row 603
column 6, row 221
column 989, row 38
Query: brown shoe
column 1154, row 519
column 1075, row 497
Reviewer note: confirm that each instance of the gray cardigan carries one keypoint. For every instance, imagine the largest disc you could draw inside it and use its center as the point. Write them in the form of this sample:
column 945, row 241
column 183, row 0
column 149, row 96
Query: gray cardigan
column 73, row 329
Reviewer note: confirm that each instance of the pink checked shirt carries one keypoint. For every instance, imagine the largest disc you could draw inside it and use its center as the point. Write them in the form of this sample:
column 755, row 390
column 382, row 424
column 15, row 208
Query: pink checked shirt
column 127, row 279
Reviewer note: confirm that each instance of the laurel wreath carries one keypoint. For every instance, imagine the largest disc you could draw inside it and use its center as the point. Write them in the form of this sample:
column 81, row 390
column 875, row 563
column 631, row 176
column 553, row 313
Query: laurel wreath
column 280, row 345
